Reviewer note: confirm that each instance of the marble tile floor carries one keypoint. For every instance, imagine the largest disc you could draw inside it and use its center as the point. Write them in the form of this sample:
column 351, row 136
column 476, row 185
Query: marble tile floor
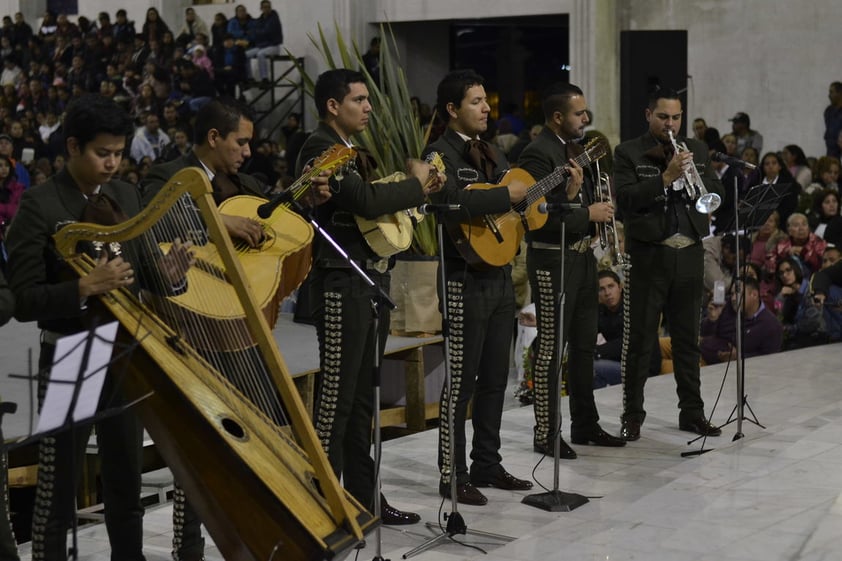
column 772, row 495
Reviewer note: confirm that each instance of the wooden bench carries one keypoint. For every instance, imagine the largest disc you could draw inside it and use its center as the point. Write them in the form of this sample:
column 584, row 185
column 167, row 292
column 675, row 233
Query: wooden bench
column 300, row 348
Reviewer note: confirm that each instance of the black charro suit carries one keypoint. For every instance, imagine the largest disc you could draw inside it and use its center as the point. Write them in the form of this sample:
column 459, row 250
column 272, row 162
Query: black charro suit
column 188, row 543
column 159, row 174
column 481, row 306
column 543, row 259
column 47, row 291
column 661, row 277
column 342, row 310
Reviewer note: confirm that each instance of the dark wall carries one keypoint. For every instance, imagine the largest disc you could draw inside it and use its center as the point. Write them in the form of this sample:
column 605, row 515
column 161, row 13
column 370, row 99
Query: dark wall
column 649, row 60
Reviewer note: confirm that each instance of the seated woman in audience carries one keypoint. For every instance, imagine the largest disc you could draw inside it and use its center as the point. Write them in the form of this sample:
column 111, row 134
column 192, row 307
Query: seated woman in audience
column 792, row 287
column 826, row 175
column 750, row 155
column 730, row 142
column 801, row 244
column 825, row 211
column 773, row 171
column 796, row 162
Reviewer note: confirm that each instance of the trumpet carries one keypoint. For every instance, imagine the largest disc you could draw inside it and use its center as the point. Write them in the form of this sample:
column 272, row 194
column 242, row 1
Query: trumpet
column 607, row 231
column 692, row 183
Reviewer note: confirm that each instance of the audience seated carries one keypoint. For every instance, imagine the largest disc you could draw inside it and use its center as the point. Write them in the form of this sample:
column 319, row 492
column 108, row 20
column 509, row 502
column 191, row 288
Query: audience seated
column 149, row 140
column 824, row 216
column 773, row 171
column 801, row 244
column 762, row 333
column 796, row 162
column 609, row 343
column 745, row 136
column 792, row 288
column 826, row 176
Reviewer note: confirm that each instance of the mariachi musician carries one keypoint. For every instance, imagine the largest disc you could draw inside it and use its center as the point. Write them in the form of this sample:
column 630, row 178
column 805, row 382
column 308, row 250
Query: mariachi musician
column 480, row 303
column 663, row 238
column 565, row 114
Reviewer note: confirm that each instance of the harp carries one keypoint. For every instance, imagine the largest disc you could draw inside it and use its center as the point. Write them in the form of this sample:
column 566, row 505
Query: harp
column 222, row 408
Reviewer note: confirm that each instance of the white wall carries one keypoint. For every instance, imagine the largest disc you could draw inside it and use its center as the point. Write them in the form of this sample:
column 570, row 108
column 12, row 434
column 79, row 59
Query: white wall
column 772, row 59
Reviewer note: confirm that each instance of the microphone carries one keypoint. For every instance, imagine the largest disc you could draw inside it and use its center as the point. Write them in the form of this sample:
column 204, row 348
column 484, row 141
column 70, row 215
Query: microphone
column 546, row 208
column 731, row 161
column 431, row 208
column 265, row 210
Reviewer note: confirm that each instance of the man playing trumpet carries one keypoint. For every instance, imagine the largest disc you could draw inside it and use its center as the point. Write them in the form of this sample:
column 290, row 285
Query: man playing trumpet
column 663, row 238
column 565, row 116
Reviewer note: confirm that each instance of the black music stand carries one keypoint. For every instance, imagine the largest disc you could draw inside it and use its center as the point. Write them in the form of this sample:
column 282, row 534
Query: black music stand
column 751, row 213
column 556, row 500
column 73, row 393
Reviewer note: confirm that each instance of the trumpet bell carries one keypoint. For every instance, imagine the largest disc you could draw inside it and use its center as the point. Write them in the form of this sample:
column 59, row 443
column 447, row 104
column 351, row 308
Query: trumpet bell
column 708, row 203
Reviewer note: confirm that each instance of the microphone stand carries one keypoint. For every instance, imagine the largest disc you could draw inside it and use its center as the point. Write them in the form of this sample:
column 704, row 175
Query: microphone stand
column 742, row 398
column 556, row 500
column 455, row 522
column 378, row 299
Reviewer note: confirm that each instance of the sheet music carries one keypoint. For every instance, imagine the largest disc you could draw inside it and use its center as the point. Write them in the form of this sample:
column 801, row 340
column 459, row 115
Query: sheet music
column 65, row 374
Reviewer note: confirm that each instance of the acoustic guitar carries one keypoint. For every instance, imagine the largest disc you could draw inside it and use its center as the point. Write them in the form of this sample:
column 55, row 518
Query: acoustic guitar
column 273, row 269
column 389, row 234
column 493, row 240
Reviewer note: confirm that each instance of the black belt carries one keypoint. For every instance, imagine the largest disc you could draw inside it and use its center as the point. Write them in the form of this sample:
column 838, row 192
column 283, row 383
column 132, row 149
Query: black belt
column 379, row 265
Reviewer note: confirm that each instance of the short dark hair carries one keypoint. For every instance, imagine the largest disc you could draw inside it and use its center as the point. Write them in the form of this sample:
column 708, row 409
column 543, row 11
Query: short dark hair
column 752, row 283
column 608, row 273
column 334, row 84
column 557, row 98
column 453, row 87
column 662, row 93
column 93, row 114
column 222, row 114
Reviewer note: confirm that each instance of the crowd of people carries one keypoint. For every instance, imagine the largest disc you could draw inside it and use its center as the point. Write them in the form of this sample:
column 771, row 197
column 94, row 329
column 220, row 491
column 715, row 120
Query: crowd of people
column 677, row 277
column 160, row 74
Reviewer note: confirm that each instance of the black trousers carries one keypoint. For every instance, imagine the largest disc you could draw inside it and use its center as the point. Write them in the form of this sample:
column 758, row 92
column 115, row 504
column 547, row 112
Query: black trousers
column 8, row 545
column 60, row 459
column 663, row 278
column 481, row 306
column 342, row 310
column 580, row 329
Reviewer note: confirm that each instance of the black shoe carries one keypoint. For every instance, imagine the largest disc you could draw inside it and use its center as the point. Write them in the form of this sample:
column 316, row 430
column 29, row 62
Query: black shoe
column 700, row 426
column 502, row 480
column 390, row 516
column 466, row 494
column 546, row 448
column 630, row 430
column 598, row 437
column 265, row 84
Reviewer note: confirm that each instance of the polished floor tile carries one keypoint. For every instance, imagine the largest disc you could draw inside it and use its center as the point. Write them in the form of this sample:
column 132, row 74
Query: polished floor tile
column 772, row 495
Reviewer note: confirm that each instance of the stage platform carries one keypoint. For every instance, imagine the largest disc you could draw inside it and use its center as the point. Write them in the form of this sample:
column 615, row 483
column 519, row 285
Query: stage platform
column 773, row 495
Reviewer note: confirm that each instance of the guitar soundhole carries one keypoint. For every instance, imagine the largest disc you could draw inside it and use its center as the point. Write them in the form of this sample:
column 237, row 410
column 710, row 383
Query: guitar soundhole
column 233, row 428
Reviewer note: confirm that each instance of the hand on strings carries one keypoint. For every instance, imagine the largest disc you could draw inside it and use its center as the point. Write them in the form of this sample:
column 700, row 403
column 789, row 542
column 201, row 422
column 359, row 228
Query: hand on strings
column 246, row 229
column 431, row 178
column 175, row 264
column 601, row 212
column 319, row 190
column 106, row 276
column 819, row 298
column 574, row 183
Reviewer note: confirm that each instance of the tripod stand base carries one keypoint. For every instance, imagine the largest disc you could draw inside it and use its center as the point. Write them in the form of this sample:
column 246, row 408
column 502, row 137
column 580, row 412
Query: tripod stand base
column 555, row 501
